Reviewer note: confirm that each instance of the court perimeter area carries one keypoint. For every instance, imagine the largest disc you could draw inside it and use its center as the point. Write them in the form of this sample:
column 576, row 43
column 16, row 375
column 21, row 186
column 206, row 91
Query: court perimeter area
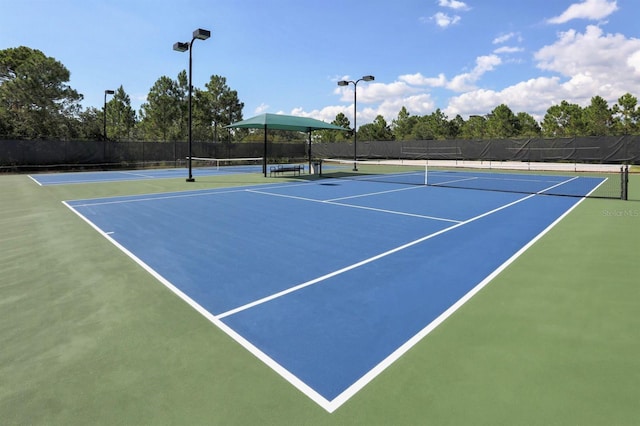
column 89, row 336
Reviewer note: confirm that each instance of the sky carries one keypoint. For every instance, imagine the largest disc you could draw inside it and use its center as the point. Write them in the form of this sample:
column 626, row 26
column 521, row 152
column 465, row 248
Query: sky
column 286, row 56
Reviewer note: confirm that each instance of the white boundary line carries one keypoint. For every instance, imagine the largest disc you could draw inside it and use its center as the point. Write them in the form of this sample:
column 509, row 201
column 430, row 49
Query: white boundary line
column 35, row 180
column 374, row 372
column 334, row 404
column 291, row 378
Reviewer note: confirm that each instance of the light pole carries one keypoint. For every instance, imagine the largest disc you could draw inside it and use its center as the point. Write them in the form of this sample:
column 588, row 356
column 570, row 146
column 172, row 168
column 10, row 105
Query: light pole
column 355, row 112
column 104, row 113
column 199, row 34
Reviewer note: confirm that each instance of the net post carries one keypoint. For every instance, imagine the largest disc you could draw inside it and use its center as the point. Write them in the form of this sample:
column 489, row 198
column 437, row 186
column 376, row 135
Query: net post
column 625, row 179
column 623, row 183
column 426, row 172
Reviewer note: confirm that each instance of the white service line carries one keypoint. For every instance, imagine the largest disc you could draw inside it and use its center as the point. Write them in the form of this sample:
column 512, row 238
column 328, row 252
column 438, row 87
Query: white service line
column 366, row 261
column 353, row 206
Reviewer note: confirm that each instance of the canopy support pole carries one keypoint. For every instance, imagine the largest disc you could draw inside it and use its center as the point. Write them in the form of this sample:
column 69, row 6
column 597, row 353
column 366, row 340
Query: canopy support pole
column 309, row 151
column 264, row 157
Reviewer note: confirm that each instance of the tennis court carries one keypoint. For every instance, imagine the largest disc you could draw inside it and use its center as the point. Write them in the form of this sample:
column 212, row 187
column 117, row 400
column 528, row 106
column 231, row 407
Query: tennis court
column 204, row 167
column 317, row 302
column 328, row 282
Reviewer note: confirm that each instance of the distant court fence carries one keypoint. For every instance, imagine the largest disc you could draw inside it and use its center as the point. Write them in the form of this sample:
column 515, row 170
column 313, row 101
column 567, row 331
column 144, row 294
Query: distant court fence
column 16, row 155
column 606, row 150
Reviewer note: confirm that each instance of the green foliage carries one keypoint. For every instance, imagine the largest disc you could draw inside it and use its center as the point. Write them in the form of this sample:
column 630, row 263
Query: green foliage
column 502, row 123
column 214, row 108
column 402, row 126
column 336, row 135
column 35, row 101
column 163, row 115
column 527, row 125
column 379, row 130
column 563, row 120
column 121, row 118
column 626, row 115
column 598, row 118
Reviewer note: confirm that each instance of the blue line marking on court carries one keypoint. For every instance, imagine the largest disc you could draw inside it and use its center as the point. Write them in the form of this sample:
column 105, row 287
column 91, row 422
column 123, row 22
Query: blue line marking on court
column 325, row 283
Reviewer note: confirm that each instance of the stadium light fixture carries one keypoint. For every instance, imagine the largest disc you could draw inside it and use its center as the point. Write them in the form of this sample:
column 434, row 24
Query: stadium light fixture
column 180, row 46
column 104, row 113
column 199, row 34
column 355, row 112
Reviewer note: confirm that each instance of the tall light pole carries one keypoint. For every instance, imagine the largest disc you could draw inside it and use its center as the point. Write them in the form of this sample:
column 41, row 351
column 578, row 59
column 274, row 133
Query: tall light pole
column 198, row 34
column 104, row 113
column 355, row 112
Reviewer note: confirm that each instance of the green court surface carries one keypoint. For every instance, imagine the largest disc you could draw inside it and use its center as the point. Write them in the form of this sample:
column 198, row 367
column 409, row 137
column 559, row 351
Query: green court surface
column 89, row 337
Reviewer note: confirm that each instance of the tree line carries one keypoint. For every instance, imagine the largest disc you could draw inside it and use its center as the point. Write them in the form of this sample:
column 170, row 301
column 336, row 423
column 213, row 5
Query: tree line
column 37, row 102
column 563, row 120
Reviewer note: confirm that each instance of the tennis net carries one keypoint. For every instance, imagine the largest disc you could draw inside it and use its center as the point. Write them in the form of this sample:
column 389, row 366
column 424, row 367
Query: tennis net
column 602, row 182
column 232, row 165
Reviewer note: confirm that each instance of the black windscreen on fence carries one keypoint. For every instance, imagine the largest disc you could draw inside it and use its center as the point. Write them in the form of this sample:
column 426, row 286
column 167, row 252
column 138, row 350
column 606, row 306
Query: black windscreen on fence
column 605, row 149
column 42, row 153
column 37, row 153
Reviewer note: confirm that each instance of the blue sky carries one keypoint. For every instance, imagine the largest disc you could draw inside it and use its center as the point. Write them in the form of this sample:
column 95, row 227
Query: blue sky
column 286, row 56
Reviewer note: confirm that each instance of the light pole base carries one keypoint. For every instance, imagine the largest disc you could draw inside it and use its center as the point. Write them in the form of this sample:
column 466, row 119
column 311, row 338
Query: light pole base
column 191, row 179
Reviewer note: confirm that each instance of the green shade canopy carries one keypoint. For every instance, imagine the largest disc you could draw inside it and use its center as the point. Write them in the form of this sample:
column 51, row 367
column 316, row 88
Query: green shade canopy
column 284, row 122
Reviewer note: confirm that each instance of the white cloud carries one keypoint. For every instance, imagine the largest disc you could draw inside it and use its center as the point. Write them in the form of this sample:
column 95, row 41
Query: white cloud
column 460, row 82
column 586, row 64
column 453, row 4
column 443, row 20
column 533, row 96
column 604, row 56
column 504, row 38
column 262, row 108
column 418, row 79
column 508, row 49
column 375, row 92
column 465, row 82
column 634, row 61
column 579, row 65
column 588, row 9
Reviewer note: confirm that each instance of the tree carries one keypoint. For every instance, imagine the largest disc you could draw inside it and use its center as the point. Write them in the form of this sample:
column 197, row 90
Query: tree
column 455, row 126
column 90, row 125
column 377, row 131
column 121, row 118
column 627, row 113
column 598, row 117
column 432, row 126
column 35, row 99
column 163, row 115
column 402, row 127
column 502, row 123
column 214, row 108
column 474, row 128
column 337, row 135
column 563, row 120
column 528, row 125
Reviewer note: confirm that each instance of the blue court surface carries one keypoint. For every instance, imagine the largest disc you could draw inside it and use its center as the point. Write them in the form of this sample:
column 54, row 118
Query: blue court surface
column 327, row 282
column 46, row 179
